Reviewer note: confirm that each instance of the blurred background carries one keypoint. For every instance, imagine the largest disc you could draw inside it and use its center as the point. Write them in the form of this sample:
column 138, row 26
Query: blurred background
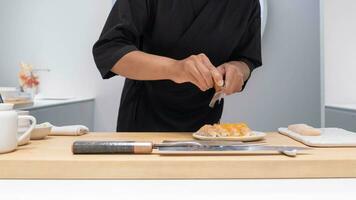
column 307, row 74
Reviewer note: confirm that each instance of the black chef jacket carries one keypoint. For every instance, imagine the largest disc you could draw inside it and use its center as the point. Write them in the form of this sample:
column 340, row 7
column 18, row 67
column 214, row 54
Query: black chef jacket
column 225, row 30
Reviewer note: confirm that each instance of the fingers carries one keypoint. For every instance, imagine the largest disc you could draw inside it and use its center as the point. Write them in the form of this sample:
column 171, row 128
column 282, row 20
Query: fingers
column 204, row 72
column 221, row 69
column 233, row 80
column 198, row 78
column 217, row 77
column 201, row 72
column 198, row 70
column 193, row 74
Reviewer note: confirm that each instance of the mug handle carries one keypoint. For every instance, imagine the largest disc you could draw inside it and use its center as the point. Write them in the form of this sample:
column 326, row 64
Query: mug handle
column 28, row 132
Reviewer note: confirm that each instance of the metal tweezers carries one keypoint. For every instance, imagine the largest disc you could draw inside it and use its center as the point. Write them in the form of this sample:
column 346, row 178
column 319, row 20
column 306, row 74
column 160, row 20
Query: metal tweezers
column 219, row 94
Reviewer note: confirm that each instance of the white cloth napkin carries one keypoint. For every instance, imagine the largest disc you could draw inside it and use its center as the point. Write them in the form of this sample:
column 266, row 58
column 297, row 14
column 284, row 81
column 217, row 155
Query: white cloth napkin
column 74, row 130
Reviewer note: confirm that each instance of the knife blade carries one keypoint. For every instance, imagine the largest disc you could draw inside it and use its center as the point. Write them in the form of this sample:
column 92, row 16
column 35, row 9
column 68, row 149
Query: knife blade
column 286, row 150
column 232, row 148
column 203, row 142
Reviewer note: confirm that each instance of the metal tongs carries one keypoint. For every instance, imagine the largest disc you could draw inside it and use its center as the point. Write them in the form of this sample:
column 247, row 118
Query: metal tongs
column 219, row 94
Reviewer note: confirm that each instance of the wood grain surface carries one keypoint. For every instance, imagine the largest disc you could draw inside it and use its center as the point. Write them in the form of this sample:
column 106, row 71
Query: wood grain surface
column 52, row 159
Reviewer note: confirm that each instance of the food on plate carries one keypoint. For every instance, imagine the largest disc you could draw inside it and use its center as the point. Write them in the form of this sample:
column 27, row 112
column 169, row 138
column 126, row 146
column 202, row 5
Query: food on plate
column 304, row 129
column 225, row 130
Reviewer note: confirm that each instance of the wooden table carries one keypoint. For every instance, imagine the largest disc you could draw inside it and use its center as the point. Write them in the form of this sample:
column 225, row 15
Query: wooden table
column 52, row 159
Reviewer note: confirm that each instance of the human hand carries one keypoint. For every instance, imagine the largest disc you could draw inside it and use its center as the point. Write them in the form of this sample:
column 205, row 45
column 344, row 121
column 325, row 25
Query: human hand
column 198, row 69
column 235, row 73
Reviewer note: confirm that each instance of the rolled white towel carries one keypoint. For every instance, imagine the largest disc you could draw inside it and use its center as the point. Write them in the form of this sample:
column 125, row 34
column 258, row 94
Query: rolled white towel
column 74, row 130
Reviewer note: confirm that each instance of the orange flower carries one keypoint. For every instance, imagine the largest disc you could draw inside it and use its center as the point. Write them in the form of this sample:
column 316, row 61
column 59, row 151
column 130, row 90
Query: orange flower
column 26, row 76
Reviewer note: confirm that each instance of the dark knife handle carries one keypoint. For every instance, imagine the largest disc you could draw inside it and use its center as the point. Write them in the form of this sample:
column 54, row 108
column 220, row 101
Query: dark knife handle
column 112, row 147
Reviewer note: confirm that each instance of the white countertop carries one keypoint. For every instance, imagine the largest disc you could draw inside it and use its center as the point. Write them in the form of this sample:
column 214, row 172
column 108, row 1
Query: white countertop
column 39, row 103
column 347, row 107
column 270, row 189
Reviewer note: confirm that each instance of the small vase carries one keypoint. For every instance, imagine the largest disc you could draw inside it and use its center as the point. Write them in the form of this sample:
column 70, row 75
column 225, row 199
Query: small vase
column 31, row 91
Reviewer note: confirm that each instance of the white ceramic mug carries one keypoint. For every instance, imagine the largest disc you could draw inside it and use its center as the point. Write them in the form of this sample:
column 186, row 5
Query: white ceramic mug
column 9, row 127
column 23, row 126
column 23, row 123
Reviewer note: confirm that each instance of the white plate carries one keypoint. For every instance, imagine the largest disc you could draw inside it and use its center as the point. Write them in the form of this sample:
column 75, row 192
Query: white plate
column 253, row 137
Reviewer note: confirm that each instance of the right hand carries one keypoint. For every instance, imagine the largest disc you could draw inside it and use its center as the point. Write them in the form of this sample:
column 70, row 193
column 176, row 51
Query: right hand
column 198, row 69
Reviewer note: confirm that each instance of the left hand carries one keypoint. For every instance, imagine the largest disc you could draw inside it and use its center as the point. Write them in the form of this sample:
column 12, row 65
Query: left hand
column 235, row 74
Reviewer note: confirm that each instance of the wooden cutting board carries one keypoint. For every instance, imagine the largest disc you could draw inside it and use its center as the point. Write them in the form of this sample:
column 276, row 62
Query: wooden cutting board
column 20, row 103
column 52, row 158
column 330, row 137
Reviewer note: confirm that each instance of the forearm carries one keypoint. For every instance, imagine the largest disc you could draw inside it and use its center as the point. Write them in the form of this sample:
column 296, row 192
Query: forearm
column 196, row 69
column 138, row 65
column 243, row 68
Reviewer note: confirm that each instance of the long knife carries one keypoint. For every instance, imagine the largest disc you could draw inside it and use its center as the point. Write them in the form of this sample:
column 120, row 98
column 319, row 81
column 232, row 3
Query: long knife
column 107, row 147
column 256, row 149
column 131, row 147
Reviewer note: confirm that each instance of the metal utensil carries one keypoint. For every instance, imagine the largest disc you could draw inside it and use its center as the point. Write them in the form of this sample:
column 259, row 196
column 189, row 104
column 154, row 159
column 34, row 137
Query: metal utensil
column 217, row 97
column 286, row 150
column 219, row 94
column 218, row 142
column 203, row 142
column 131, row 147
column 107, row 147
column 122, row 147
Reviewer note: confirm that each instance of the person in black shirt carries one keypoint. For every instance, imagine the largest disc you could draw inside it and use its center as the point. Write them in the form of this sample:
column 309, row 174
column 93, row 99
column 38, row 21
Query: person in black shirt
column 173, row 53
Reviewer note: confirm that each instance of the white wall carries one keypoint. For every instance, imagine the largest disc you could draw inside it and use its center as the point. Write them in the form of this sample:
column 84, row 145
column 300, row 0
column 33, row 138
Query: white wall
column 287, row 88
column 340, row 51
column 60, row 33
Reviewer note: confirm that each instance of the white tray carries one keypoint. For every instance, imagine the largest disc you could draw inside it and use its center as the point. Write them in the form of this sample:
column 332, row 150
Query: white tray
column 330, row 137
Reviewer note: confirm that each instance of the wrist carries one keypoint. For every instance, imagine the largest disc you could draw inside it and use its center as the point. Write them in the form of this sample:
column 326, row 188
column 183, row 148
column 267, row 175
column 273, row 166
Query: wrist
column 173, row 70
